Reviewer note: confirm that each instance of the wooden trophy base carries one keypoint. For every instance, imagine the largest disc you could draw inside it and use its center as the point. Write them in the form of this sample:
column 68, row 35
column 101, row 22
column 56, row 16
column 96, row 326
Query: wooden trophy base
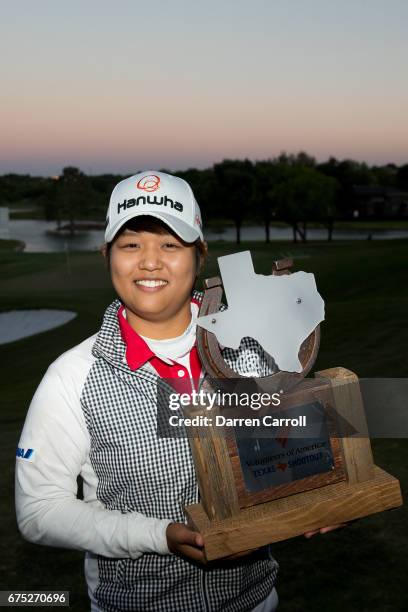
column 233, row 520
column 292, row 516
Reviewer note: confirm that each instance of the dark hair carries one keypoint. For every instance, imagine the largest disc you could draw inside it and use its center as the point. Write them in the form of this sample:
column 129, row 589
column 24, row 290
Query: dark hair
column 147, row 223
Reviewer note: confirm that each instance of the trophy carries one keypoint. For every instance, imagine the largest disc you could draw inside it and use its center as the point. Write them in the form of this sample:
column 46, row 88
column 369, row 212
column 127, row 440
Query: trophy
column 260, row 485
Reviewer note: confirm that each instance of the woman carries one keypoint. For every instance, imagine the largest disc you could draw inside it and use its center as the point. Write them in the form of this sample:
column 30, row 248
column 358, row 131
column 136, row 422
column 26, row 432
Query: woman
column 94, row 415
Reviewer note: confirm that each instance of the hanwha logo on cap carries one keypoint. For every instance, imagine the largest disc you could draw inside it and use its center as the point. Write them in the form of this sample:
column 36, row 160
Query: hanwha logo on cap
column 151, row 182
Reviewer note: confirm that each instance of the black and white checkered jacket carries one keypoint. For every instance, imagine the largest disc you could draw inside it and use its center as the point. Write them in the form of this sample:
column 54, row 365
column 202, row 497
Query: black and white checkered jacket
column 92, row 415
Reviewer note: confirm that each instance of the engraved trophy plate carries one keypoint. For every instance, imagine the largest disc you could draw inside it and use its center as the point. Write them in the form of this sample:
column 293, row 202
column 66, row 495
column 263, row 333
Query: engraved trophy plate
column 270, row 462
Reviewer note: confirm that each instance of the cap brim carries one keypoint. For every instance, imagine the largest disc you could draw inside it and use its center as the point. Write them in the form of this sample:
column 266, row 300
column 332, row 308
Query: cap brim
column 181, row 228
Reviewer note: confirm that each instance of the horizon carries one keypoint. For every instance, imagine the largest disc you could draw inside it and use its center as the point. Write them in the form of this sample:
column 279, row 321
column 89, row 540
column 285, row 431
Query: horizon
column 112, row 89
column 178, row 169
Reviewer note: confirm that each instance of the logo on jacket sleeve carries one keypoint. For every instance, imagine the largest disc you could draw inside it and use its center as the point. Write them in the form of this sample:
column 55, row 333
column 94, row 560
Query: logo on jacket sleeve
column 25, row 453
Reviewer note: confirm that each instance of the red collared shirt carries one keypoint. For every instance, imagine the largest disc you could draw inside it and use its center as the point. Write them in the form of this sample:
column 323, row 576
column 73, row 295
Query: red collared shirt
column 138, row 353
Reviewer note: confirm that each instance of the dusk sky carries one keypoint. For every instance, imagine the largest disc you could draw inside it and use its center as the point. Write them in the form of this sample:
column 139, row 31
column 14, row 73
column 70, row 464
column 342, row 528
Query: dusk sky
column 127, row 85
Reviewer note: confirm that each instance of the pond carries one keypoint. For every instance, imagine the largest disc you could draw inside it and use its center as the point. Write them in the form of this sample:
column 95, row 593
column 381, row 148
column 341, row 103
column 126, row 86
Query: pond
column 34, row 234
column 17, row 324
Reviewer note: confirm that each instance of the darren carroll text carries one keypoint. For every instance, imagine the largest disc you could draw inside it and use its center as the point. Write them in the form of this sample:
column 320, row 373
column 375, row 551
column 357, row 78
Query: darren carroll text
column 222, row 421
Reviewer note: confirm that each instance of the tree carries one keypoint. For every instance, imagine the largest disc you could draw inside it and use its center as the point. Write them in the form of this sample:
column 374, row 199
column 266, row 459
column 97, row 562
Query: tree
column 49, row 200
column 348, row 173
column 306, row 195
column 385, row 175
column 402, row 178
column 204, row 186
column 265, row 201
column 236, row 190
column 21, row 189
column 73, row 194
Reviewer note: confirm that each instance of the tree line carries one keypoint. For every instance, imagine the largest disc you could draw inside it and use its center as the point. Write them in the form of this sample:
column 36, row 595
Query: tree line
column 294, row 189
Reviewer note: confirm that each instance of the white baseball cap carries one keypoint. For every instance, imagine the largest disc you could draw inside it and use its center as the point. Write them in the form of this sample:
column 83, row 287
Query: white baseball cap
column 159, row 195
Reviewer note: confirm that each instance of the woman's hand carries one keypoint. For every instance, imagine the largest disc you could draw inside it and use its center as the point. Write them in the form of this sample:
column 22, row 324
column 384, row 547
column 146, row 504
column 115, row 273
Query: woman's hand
column 181, row 540
column 309, row 534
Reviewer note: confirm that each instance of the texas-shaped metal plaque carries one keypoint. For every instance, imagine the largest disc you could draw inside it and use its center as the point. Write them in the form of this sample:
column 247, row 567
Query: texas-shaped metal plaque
column 280, row 312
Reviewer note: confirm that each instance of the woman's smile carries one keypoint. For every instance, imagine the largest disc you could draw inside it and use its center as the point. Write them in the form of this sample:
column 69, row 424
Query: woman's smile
column 151, row 285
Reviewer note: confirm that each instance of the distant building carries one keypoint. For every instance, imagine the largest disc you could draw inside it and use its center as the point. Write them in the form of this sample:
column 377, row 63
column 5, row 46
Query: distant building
column 379, row 202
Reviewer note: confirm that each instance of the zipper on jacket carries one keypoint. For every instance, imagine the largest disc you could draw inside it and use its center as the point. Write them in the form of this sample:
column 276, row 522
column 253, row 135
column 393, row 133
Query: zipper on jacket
column 204, row 592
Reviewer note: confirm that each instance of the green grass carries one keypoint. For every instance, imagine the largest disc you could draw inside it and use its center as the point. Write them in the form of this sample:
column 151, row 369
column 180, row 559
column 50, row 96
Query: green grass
column 360, row 568
column 11, row 245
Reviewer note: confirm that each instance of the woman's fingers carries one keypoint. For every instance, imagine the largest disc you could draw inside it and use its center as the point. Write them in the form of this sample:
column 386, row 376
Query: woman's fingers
column 193, row 553
column 184, row 541
column 332, row 527
column 185, row 535
column 309, row 534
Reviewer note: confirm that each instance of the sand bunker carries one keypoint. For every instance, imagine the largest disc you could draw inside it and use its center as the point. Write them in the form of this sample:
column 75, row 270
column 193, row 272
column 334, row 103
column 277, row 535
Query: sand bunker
column 18, row 324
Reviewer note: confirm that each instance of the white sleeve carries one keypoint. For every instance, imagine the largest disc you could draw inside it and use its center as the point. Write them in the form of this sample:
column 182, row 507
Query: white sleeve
column 53, row 447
